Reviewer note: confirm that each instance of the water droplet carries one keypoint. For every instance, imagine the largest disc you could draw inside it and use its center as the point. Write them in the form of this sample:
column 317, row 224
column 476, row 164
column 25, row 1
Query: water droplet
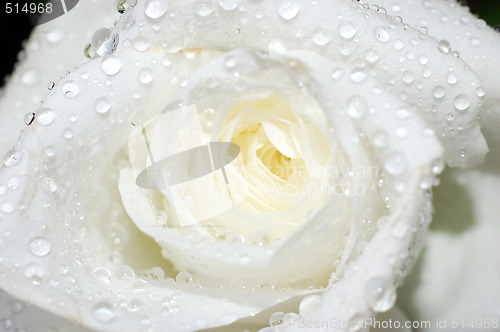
column 7, row 207
column 40, row 246
column 29, row 118
column 103, row 312
column 371, row 56
column 402, row 113
column 12, row 157
column 321, row 37
column 288, row 9
column 347, row 29
column 110, row 65
column 203, row 8
column 145, row 76
column 35, row 272
column 135, row 305
column 183, row 277
column 408, row 77
column 155, row 8
column 276, row 319
column 444, row 46
column 380, row 294
column 396, row 163
column 382, row 34
column 67, row 133
column 102, row 105
column 46, row 116
column 70, row 89
column 480, row 92
column 356, row 107
column 475, row 41
column 451, row 78
column 141, row 44
column 104, row 42
column 423, row 60
column 51, row 85
column 398, row 44
column 337, row 73
column 462, row 102
column 228, row 4
column 358, row 76
column 438, row 92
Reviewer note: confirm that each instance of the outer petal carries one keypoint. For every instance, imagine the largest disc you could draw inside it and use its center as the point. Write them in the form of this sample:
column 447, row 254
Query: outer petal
column 477, row 44
column 53, row 49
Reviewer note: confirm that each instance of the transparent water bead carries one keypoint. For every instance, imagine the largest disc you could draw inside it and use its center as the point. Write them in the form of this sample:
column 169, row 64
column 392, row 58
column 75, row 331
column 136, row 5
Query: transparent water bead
column 380, row 294
column 12, row 157
column 155, row 8
column 451, row 78
column 358, row 76
column 395, row 163
column 51, row 85
column 40, row 246
column 382, row 34
column 145, row 76
column 203, row 8
column 288, row 9
column 110, row 65
column 321, row 37
column 347, row 29
column 102, row 105
column 29, row 118
column 46, row 116
column 438, row 91
column 70, row 89
column 277, row 319
column 228, row 4
column 103, row 312
column 462, row 103
column 104, row 42
column 444, row 46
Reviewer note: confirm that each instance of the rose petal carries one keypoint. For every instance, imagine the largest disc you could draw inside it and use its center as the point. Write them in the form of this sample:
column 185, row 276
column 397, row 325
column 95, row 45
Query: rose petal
column 53, row 49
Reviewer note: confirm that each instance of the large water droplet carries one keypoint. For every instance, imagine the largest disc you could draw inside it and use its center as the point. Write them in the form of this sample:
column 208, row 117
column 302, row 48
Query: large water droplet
column 382, row 34
column 396, row 163
column 408, row 77
column 337, row 73
column 155, row 8
column 380, row 294
column 110, row 65
column 277, row 319
column 70, row 89
column 480, row 92
column 288, row 9
column 103, row 312
column 46, row 116
column 347, row 29
column 444, row 46
column 358, row 75
column 462, row 102
column 451, row 78
column 371, row 56
column 12, row 157
column 102, row 105
column 40, row 246
column 104, row 42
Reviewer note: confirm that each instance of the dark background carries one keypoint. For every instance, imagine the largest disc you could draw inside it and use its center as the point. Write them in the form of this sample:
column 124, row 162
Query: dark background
column 14, row 28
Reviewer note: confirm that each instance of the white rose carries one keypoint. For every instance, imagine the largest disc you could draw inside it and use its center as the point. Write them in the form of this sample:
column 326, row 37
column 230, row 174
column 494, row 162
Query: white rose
column 307, row 92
